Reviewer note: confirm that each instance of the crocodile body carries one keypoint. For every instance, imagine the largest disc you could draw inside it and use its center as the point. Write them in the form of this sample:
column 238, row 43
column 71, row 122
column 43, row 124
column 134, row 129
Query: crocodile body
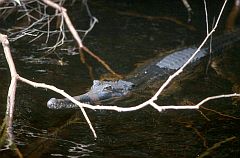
column 158, row 69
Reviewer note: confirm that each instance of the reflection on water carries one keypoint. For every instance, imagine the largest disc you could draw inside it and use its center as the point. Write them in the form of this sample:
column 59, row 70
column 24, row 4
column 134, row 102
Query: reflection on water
column 43, row 60
column 39, row 142
column 125, row 41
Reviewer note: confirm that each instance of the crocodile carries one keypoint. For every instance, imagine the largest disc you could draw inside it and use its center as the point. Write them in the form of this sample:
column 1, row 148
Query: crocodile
column 159, row 68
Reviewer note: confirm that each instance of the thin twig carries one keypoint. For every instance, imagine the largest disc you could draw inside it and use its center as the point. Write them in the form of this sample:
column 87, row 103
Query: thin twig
column 206, row 15
column 75, row 34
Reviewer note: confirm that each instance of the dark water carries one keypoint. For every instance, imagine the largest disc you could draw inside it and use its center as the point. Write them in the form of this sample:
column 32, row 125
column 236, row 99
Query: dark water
column 125, row 40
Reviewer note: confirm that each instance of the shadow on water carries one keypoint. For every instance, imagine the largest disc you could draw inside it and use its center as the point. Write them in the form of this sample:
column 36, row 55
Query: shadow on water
column 126, row 37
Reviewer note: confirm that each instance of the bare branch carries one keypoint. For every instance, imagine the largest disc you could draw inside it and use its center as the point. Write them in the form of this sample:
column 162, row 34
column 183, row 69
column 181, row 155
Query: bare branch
column 67, row 20
column 206, row 15
column 12, row 87
column 190, row 59
column 45, row 86
column 123, row 109
column 76, row 36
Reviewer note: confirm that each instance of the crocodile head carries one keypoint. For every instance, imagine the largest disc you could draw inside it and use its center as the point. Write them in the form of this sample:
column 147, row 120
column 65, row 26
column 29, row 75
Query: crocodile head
column 102, row 90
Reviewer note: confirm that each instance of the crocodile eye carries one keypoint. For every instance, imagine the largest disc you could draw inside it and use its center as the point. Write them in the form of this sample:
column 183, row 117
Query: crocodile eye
column 108, row 88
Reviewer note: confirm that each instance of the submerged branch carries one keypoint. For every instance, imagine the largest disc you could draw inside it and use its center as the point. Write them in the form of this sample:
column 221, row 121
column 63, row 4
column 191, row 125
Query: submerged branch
column 215, row 146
